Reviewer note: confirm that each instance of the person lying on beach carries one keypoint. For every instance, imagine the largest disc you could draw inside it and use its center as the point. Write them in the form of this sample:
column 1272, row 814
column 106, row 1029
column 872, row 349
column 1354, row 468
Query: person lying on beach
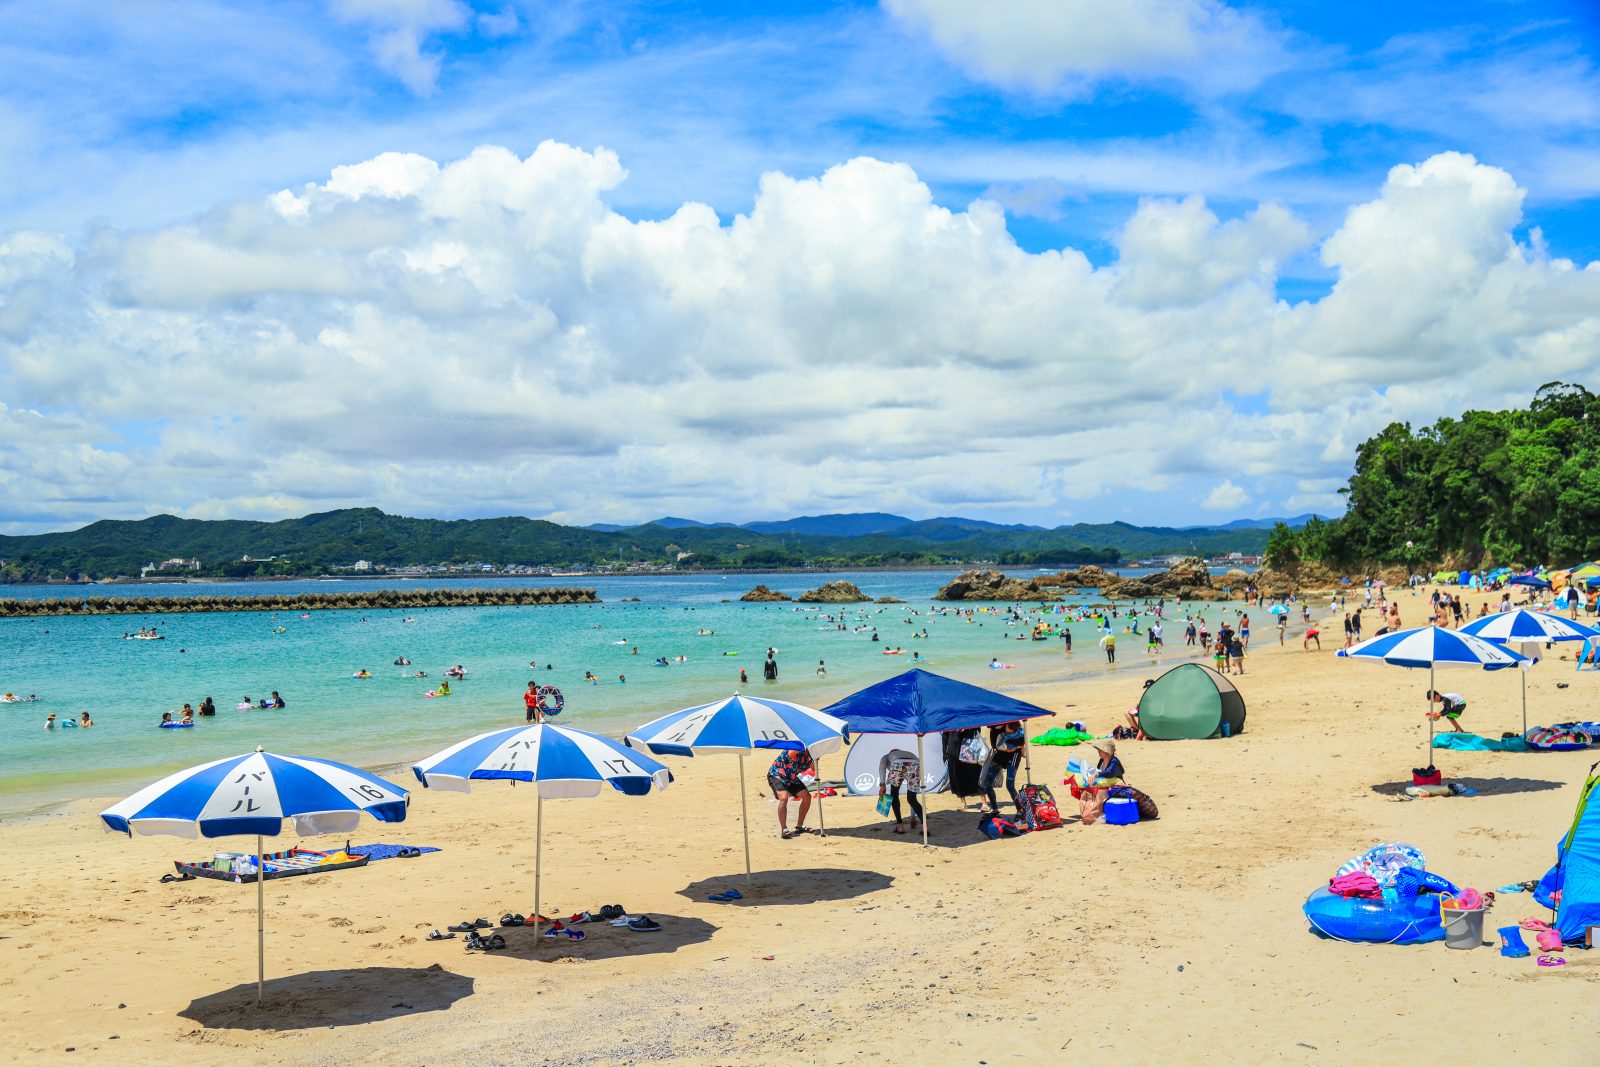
column 787, row 777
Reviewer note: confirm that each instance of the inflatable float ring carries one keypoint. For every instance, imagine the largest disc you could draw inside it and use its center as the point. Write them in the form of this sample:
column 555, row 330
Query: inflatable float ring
column 550, row 700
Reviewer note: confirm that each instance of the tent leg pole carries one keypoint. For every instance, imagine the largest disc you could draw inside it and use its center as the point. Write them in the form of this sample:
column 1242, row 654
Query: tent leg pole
column 538, row 856
column 922, row 778
column 744, row 807
column 261, row 920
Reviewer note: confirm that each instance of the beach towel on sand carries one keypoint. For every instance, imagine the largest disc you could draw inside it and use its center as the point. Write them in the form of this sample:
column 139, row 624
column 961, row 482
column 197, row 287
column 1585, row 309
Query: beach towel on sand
column 1474, row 743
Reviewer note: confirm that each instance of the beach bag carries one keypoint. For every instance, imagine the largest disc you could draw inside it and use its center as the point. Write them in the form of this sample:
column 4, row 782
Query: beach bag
column 1428, row 775
column 1147, row 807
column 994, row 828
column 974, row 750
column 1038, row 808
column 885, row 804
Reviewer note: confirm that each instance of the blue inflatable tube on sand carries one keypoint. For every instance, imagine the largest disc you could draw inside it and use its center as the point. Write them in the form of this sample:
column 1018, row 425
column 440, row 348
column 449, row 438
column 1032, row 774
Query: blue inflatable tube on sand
column 1383, row 922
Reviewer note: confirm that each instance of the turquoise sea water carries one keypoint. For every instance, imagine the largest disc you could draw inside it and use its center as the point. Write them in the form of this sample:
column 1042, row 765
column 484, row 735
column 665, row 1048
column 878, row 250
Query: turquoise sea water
column 78, row 664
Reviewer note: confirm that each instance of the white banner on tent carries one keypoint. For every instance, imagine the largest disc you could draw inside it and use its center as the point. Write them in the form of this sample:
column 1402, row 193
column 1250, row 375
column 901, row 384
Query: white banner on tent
column 865, row 760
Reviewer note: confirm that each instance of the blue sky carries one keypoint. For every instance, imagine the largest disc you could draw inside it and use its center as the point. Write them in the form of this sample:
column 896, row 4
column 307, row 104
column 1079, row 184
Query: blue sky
column 139, row 119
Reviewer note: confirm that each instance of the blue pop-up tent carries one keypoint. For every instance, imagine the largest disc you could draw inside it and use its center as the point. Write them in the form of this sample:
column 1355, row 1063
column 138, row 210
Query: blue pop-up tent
column 921, row 703
column 1576, row 875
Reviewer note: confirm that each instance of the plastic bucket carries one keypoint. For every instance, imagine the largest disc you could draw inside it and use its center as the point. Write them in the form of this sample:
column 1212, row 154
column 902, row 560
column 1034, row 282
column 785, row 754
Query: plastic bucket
column 1462, row 929
column 1124, row 811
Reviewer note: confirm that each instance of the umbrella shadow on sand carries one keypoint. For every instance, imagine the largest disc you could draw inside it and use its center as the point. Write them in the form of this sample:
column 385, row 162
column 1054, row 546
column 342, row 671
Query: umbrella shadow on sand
column 946, row 829
column 808, row 885
column 1483, row 786
column 602, row 941
column 345, row 997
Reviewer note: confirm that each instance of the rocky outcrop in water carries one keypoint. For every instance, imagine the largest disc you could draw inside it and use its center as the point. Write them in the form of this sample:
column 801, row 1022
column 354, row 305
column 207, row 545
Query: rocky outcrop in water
column 762, row 595
column 378, row 600
column 993, row 585
column 835, row 593
column 888, row 600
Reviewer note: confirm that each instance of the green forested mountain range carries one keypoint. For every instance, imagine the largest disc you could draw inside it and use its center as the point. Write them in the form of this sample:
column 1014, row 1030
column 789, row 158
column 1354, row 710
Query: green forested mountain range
column 339, row 538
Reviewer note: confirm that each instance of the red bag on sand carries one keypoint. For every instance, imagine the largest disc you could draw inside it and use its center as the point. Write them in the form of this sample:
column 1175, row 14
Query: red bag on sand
column 1037, row 808
column 1429, row 775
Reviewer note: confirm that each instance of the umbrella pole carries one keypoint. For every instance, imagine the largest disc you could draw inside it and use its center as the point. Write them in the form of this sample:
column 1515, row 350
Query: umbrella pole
column 822, row 817
column 922, row 778
column 1431, row 719
column 744, row 808
column 538, row 849
column 1524, row 674
column 261, row 919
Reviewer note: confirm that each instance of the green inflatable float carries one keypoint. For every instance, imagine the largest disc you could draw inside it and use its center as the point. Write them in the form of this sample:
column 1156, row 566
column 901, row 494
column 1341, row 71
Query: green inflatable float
column 1189, row 703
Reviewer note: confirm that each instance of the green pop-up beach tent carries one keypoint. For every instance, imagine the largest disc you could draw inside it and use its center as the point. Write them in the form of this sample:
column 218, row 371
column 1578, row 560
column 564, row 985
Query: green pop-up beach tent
column 1190, row 702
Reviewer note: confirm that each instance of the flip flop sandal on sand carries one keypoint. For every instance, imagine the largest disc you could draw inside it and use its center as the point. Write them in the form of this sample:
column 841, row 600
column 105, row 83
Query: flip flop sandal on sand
column 1552, row 961
column 786, row 834
column 437, row 936
column 623, row 920
column 576, row 935
column 464, row 927
column 580, row 918
column 512, row 920
column 644, row 924
column 612, row 911
column 556, row 930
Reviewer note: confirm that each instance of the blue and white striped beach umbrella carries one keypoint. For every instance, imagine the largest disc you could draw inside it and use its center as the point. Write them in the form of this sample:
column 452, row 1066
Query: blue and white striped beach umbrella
column 1431, row 647
column 1528, row 629
column 255, row 794
column 741, row 724
column 1523, row 625
column 559, row 762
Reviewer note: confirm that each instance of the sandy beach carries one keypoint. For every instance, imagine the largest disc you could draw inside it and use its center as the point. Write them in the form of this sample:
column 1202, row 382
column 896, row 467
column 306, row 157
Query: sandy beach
column 1180, row 940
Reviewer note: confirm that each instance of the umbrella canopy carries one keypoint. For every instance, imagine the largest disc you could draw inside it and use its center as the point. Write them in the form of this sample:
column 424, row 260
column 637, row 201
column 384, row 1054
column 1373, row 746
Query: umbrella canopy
column 920, row 702
column 1431, row 647
column 1527, row 628
column 1278, row 609
column 741, row 724
column 1525, row 625
column 560, row 762
column 255, row 794
column 1534, row 580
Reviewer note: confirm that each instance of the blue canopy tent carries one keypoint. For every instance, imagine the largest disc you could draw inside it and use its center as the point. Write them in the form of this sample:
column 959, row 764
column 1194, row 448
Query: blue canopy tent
column 920, row 702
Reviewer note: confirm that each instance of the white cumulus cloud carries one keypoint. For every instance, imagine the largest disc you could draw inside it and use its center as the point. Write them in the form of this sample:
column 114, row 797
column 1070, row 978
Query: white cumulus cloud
column 1045, row 44
column 489, row 335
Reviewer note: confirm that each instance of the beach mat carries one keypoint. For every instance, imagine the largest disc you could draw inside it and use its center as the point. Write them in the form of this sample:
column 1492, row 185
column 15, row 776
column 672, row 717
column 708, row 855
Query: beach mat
column 385, row 852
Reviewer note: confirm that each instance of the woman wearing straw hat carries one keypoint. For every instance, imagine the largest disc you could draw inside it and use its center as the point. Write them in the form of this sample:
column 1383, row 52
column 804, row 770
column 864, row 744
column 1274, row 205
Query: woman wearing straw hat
column 1108, row 772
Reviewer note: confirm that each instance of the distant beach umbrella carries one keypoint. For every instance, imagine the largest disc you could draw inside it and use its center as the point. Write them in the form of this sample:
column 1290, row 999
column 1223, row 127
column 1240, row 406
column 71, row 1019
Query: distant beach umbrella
column 254, row 794
column 1433, row 647
column 1278, row 609
column 558, row 761
column 741, row 724
column 1528, row 630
